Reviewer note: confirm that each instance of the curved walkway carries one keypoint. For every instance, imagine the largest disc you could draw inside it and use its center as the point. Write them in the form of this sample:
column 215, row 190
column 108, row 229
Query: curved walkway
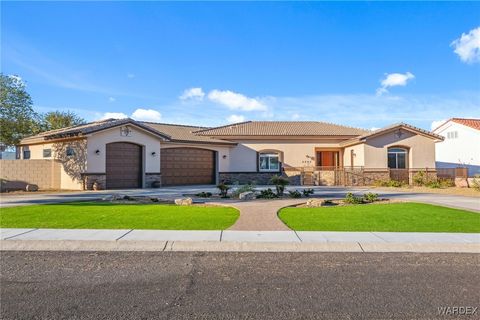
column 261, row 215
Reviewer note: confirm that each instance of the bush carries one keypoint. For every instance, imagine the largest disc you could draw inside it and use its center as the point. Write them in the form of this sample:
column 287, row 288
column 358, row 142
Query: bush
column 223, row 190
column 370, row 197
column 295, row 194
column 307, row 192
column 267, row 194
column 241, row 189
column 350, row 198
column 389, row 183
column 280, row 183
column 204, row 194
column 446, row 183
column 476, row 182
column 420, row 178
column 433, row 184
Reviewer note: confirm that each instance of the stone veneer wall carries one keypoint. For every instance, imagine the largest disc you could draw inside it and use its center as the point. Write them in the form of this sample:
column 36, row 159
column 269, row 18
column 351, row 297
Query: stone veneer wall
column 90, row 178
column 259, row 178
column 150, row 178
column 16, row 174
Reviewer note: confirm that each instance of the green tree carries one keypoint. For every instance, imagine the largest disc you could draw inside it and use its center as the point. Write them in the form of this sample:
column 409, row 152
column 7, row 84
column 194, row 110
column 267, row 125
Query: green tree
column 60, row 119
column 17, row 117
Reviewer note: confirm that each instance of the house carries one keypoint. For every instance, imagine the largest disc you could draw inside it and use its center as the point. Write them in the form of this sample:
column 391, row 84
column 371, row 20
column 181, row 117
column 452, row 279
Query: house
column 461, row 147
column 132, row 154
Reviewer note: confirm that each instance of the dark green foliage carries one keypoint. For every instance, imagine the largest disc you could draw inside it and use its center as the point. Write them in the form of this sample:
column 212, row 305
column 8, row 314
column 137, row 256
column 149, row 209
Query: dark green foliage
column 223, row 190
column 267, row 194
column 295, row 194
column 204, row 194
column 308, row 192
column 280, row 183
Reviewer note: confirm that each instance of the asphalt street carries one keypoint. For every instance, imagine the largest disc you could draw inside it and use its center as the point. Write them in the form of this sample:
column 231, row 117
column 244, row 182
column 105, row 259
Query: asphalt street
column 193, row 285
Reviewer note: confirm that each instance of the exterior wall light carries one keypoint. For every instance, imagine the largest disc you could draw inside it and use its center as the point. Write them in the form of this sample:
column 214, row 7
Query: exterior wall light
column 224, row 156
column 97, row 152
column 153, row 154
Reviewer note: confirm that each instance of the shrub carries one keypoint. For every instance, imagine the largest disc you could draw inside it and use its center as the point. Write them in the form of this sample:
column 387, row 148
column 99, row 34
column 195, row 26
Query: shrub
column 241, row 189
column 370, row 197
column 307, row 192
column 295, row 194
column 350, row 198
column 420, row 178
column 267, row 194
column 223, row 190
column 389, row 183
column 433, row 184
column 446, row 183
column 476, row 182
column 204, row 194
column 280, row 183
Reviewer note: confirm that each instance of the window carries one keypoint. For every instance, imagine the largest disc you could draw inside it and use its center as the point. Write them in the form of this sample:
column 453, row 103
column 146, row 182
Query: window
column 397, row 158
column 70, row 152
column 452, row 135
column 268, row 162
column 47, row 153
column 26, row 154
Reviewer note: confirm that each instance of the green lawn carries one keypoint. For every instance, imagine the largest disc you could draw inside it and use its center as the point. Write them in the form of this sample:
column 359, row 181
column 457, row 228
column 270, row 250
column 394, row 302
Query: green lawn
column 91, row 215
column 399, row 217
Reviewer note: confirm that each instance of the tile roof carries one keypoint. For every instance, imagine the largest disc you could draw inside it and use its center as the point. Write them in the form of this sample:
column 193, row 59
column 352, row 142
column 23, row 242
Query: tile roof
column 88, row 128
column 183, row 133
column 472, row 123
column 282, row 128
column 389, row 128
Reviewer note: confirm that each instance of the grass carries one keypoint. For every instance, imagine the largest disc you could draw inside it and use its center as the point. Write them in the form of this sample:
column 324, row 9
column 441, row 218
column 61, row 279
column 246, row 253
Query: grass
column 91, row 215
column 395, row 217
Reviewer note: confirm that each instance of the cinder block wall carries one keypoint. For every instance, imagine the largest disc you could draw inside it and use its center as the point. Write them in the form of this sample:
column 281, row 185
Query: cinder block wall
column 16, row 174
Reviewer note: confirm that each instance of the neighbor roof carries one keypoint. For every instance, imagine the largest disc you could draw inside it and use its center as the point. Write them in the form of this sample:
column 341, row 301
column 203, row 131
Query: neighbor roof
column 182, row 133
column 472, row 123
column 282, row 128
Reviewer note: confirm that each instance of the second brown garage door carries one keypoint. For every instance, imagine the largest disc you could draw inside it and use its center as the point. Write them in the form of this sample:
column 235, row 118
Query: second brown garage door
column 183, row 166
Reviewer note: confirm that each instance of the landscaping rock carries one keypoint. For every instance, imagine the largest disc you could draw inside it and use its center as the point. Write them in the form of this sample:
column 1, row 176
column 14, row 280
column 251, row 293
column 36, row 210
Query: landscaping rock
column 31, row 187
column 248, row 195
column 313, row 203
column 184, row 202
column 461, row 182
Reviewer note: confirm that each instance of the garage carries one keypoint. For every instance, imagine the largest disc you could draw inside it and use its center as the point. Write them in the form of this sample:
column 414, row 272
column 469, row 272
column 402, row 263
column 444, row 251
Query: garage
column 187, row 166
column 123, row 165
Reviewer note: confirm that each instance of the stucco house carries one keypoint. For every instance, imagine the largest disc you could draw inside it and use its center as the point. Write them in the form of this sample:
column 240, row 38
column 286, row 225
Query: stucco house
column 461, row 147
column 132, row 154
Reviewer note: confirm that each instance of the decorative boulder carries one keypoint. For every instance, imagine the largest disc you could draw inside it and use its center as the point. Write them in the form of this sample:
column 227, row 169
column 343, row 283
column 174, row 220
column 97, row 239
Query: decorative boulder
column 31, row 187
column 461, row 182
column 313, row 203
column 183, row 202
column 248, row 195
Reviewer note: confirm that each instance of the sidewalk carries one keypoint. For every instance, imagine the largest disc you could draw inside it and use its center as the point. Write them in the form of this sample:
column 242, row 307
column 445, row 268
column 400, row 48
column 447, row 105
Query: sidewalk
column 231, row 240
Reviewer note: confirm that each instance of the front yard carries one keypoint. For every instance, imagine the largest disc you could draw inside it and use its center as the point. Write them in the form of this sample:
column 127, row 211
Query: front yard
column 395, row 217
column 96, row 215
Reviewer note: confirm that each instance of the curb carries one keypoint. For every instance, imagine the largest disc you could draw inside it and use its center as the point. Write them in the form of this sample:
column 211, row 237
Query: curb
column 215, row 246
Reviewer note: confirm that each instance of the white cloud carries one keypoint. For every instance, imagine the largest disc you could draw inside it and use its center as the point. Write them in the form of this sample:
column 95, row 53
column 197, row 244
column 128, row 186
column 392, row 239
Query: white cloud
column 193, row 93
column 147, row 115
column 467, row 47
column 235, row 118
column 112, row 115
column 394, row 80
column 295, row 116
column 236, row 101
column 111, row 99
column 374, row 129
column 435, row 124
column 130, row 75
column 17, row 79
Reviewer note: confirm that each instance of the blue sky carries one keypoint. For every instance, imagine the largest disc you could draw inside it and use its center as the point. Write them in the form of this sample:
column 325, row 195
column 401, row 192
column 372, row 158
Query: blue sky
column 363, row 64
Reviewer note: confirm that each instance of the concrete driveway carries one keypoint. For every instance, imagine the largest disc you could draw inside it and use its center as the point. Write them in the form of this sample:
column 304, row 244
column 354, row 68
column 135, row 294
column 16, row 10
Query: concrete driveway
column 9, row 200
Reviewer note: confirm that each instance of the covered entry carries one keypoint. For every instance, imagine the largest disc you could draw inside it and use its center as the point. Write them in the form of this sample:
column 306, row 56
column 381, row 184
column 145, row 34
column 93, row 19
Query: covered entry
column 184, row 166
column 123, row 165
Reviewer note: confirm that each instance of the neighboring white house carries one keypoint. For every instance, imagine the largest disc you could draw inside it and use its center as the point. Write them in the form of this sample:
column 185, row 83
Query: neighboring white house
column 461, row 147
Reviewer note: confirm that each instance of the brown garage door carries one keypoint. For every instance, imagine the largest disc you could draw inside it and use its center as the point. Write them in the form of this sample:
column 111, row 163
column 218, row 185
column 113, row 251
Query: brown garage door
column 182, row 166
column 123, row 165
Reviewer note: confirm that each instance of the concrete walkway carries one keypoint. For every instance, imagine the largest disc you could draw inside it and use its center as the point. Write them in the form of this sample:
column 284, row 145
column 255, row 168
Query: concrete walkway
column 231, row 240
column 261, row 214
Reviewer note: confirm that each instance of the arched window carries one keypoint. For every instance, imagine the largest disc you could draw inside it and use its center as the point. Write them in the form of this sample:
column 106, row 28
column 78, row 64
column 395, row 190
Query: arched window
column 397, row 158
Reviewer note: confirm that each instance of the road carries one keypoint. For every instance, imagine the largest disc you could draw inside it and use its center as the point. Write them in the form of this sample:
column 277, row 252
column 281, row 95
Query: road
column 141, row 285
